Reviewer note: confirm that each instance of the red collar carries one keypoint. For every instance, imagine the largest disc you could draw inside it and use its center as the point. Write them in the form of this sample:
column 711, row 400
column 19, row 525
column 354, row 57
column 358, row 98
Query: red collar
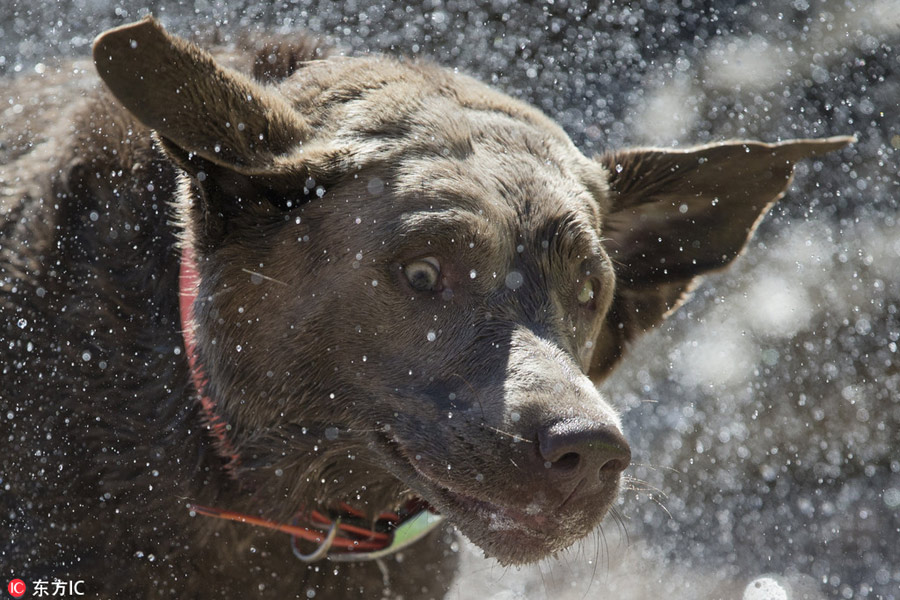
column 189, row 280
column 342, row 538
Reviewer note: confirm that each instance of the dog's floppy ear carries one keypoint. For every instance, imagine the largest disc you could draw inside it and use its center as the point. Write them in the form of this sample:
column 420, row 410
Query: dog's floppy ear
column 179, row 91
column 674, row 215
column 236, row 137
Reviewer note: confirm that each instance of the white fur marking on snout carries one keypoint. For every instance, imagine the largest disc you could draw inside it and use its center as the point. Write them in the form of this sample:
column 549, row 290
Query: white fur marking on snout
column 501, row 522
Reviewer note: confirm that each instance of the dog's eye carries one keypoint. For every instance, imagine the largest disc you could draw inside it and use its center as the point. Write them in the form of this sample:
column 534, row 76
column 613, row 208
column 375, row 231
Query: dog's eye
column 586, row 294
column 423, row 274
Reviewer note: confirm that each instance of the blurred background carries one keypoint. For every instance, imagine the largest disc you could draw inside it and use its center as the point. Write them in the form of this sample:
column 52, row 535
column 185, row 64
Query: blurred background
column 765, row 416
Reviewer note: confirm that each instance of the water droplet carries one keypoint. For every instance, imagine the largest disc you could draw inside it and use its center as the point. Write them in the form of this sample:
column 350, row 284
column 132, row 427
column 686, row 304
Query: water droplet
column 514, row 280
column 765, row 588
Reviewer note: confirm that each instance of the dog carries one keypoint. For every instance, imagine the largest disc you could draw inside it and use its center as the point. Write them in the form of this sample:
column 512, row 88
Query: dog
column 284, row 335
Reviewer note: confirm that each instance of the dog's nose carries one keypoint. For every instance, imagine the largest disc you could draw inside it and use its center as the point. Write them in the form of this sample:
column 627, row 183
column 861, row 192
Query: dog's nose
column 582, row 448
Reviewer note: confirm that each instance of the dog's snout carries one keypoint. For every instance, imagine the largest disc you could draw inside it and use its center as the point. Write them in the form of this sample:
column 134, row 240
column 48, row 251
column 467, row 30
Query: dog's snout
column 583, row 448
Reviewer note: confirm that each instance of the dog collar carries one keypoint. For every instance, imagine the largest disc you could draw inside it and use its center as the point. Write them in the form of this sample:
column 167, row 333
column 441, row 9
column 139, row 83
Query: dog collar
column 189, row 280
column 342, row 538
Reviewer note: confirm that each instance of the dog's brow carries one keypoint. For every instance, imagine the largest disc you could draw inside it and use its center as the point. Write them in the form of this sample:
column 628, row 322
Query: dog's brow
column 441, row 224
column 569, row 237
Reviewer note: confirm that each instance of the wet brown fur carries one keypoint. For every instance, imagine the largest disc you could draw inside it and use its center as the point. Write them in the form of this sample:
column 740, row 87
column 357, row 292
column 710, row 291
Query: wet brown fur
column 317, row 351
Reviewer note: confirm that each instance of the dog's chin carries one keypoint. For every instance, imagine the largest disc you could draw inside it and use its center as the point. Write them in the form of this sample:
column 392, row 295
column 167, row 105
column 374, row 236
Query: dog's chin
column 510, row 535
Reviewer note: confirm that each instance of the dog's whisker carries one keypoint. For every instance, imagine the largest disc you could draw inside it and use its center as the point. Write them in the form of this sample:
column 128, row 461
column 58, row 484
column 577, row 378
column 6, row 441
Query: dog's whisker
column 639, row 485
column 514, row 436
column 540, row 571
column 266, row 277
column 473, row 391
column 657, row 467
column 606, row 554
column 656, row 501
column 595, row 563
column 619, row 519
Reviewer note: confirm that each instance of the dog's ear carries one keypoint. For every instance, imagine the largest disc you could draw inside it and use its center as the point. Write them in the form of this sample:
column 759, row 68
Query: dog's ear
column 179, row 91
column 236, row 137
column 674, row 215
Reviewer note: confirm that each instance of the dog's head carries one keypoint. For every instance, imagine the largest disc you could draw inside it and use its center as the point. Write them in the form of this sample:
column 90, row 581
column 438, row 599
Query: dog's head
column 410, row 283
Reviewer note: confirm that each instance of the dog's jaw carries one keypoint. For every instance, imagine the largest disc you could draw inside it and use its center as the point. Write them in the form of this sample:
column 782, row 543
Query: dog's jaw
column 512, row 535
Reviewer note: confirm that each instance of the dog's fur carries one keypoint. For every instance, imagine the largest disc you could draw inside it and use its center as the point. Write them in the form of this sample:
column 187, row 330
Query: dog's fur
column 305, row 194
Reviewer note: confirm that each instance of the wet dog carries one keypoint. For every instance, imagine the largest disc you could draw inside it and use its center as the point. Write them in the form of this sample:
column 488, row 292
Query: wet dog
column 308, row 315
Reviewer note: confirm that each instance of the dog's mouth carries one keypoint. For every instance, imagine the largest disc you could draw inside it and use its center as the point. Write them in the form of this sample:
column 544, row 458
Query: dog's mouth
column 509, row 533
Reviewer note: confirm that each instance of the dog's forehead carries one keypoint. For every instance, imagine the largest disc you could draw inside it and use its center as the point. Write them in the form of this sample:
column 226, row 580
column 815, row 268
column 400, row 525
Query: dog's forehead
column 384, row 96
column 510, row 173
column 426, row 138
column 439, row 135
column 512, row 186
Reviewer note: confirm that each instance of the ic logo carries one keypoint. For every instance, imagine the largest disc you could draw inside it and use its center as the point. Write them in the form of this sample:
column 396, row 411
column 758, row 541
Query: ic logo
column 16, row 588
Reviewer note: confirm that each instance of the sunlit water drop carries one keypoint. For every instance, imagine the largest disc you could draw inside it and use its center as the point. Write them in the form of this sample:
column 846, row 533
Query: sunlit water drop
column 765, row 588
